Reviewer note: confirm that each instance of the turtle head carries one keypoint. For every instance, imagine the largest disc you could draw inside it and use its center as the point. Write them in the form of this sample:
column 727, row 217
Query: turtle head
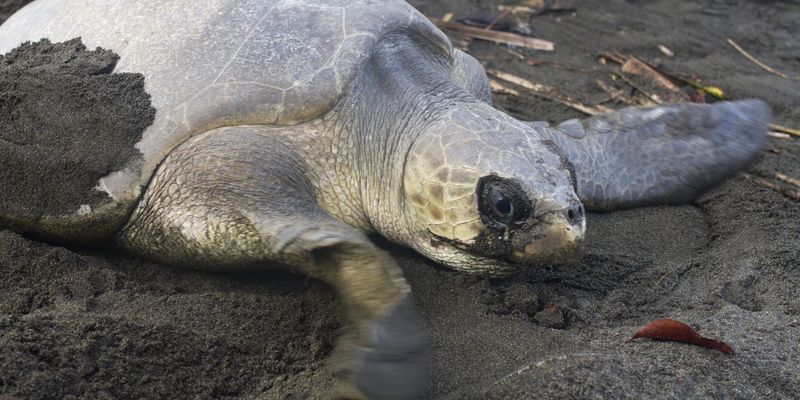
column 485, row 195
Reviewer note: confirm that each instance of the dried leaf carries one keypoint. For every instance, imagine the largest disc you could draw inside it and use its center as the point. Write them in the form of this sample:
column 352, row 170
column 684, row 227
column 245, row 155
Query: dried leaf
column 652, row 81
column 670, row 329
column 698, row 97
column 623, row 59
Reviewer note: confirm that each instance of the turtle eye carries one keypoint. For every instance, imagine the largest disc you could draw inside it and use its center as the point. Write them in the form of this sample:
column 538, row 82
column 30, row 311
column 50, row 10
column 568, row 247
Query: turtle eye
column 502, row 202
column 502, row 207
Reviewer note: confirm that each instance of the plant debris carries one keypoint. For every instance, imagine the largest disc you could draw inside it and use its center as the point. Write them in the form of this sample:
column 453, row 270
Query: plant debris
column 783, row 129
column 651, row 81
column 759, row 63
column 787, row 179
column 670, row 329
column 541, row 90
column 778, row 135
column 666, row 51
column 537, row 7
column 656, row 84
column 764, row 182
column 471, row 32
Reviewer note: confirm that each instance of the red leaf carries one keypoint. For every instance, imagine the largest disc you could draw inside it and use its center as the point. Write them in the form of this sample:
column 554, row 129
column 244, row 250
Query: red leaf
column 670, row 329
column 698, row 97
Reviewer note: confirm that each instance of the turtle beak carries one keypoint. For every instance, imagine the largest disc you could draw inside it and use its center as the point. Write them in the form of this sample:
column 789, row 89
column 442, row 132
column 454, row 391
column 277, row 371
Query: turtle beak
column 557, row 239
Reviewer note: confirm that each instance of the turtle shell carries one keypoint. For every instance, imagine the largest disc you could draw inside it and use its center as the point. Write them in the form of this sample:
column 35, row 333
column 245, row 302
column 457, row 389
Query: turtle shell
column 206, row 65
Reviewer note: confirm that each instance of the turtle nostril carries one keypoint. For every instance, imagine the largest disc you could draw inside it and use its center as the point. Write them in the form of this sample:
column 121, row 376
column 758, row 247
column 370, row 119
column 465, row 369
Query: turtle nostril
column 575, row 214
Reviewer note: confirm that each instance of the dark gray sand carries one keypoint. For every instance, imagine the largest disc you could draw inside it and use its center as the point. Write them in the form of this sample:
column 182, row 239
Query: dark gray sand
column 97, row 324
column 65, row 122
column 8, row 7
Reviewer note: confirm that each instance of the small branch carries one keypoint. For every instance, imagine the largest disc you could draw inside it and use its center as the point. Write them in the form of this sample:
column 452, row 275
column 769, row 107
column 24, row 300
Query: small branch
column 497, row 36
column 548, row 92
column 778, row 135
column 792, row 194
column 665, row 50
column 756, row 62
column 496, row 20
column 668, row 274
column 616, row 94
column 518, row 9
column 534, row 62
column 498, row 87
column 783, row 129
column 788, row 179
column 652, row 99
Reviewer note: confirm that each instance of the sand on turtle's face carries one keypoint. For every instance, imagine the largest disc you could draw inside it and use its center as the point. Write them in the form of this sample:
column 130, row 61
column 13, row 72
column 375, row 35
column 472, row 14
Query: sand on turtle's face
column 101, row 324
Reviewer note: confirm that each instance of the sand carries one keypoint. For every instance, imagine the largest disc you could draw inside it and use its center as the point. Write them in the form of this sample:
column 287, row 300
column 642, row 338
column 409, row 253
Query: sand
column 54, row 159
column 93, row 323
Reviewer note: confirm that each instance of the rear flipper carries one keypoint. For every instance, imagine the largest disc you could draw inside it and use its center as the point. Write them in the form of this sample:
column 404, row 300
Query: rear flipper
column 660, row 155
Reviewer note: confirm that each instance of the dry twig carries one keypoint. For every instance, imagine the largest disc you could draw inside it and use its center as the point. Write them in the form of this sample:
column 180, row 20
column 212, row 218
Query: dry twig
column 548, row 92
column 496, row 36
column 538, row 6
column 788, row 179
column 616, row 94
column 783, row 129
column 534, row 62
column 759, row 63
column 778, row 135
column 665, row 50
column 496, row 20
column 790, row 193
column 498, row 87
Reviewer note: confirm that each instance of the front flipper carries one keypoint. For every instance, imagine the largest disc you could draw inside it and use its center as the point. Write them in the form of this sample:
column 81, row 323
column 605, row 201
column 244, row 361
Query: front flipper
column 659, row 155
column 240, row 198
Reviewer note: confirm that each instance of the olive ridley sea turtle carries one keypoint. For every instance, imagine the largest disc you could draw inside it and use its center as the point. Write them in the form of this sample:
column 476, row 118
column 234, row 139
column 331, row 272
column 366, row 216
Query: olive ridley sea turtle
column 286, row 130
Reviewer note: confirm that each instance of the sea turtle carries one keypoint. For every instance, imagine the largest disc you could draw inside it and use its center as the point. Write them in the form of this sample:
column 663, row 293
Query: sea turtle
column 286, row 130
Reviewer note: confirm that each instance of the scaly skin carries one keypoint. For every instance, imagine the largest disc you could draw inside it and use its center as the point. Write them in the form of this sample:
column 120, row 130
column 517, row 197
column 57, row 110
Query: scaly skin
column 383, row 168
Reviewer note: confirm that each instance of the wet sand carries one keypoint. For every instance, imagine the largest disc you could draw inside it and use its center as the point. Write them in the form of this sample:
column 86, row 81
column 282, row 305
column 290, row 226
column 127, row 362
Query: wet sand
column 93, row 323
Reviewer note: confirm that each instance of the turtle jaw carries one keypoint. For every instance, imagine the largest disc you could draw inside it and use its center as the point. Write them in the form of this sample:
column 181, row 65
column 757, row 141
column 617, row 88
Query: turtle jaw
column 558, row 241
column 553, row 244
column 552, row 237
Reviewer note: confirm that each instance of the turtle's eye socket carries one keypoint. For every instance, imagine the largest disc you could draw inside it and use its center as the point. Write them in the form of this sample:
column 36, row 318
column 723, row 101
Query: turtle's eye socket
column 502, row 208
column 502, row 202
